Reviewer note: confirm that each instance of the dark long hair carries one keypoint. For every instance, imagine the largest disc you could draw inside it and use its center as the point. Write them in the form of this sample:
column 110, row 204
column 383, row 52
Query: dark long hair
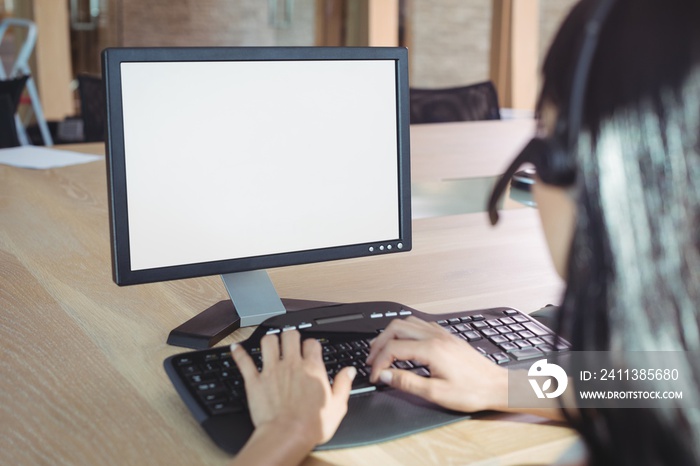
column 634, row 267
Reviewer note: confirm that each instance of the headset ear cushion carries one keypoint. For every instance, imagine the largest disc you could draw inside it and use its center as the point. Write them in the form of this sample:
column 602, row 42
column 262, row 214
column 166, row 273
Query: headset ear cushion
column 555, row 165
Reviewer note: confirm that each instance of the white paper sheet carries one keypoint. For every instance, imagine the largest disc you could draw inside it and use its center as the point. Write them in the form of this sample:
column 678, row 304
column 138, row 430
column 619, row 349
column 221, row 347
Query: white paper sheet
column 42, row 157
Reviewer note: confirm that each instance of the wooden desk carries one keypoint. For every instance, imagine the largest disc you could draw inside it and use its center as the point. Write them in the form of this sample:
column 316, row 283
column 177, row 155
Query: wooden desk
column 461, row 150
column 81, row 377
column 454, row 165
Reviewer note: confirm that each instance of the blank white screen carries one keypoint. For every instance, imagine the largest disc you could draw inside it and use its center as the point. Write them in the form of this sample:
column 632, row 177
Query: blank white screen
column 238, row 159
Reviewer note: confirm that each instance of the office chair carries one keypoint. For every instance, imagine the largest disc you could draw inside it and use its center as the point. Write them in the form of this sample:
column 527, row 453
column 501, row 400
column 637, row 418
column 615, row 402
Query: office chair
column 10, row 93
column 92, row 107
column 21, row 67
column 466, row 103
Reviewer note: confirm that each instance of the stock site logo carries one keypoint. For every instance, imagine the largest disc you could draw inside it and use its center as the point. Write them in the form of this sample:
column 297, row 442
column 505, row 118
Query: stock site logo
column 542, row 368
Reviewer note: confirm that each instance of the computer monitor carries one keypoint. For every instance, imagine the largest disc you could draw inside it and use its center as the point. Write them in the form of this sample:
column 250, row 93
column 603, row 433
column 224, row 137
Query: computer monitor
column 233, row 160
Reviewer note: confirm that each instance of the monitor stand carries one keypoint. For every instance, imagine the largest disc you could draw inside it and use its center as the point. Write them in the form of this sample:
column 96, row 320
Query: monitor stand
column 253, row 300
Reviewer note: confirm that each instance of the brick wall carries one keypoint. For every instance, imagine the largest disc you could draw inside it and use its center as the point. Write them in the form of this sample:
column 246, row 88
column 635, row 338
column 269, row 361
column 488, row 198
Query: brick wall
column 451, row 39
column 212, row 23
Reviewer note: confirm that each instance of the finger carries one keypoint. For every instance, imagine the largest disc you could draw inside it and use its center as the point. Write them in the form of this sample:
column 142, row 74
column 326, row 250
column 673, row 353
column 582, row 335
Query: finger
column 244, row 362
column 409, row 382
column 411, row 328
column 270, row 348
column 342, row 384
column 311, row 350
column 291, row 345
column 402, row 350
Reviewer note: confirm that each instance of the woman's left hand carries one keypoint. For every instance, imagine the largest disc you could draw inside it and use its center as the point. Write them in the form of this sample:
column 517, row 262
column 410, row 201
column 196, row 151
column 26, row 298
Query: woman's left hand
column 293, row 389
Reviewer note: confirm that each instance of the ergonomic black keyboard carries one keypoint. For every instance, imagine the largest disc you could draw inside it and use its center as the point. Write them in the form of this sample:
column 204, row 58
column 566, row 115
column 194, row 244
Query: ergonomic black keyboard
column 212, row 388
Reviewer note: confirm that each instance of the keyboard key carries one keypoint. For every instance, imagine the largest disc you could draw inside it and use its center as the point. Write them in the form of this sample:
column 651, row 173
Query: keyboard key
column 195, row 379
column 466, row 319
column 520, row 319
column 510, row 312
column 422, row 371
column 454, row 320
column 550, row 339
column 360, row 344
column 190, row 370
column 536, row 329
column 494, row 322
column 489, row 332
column 508, row 346
column 403, row 365
column 211, row 367
column 517, row 328
column 235, row 384
column 329, row 359
column 555, row 341
column 472, row 336
column 478, row 317
column 507, row 320
column 222, row 407
column 479, row 324
column 343, row 347
column 463, row 327
column 526, row 334
column 499, row 339
column 209, row 386
column 526, row 353
column 546, row 348
column 500, row 358
column 523, row 343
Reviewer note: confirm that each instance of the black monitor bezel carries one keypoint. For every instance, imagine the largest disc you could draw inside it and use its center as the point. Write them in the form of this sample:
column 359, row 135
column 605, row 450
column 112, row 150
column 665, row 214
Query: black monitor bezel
column 112, row 58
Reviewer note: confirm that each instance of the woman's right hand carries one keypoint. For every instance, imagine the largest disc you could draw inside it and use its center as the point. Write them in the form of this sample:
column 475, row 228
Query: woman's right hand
column 461, row 378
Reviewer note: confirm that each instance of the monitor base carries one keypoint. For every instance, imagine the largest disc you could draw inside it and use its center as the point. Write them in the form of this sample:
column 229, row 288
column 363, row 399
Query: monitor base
column 216, row 322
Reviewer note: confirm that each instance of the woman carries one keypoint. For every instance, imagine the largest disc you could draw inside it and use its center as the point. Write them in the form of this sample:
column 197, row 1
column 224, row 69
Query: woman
column 619, row 198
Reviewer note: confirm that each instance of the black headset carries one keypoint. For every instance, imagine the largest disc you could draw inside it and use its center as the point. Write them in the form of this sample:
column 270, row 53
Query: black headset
column 554, row 157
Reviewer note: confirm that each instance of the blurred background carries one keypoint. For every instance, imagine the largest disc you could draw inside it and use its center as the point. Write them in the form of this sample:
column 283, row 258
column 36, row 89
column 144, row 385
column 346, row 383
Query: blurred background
column 451, row 42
